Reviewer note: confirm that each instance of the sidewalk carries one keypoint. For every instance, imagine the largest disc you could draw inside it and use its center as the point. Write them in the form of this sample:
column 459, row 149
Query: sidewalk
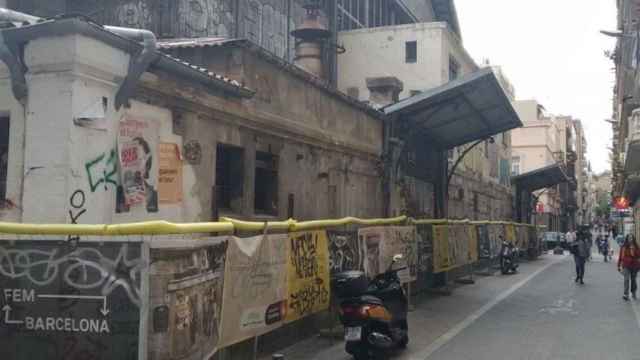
column 434, row 315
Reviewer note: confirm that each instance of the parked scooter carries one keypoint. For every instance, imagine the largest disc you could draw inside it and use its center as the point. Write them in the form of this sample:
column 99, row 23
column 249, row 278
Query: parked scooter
column 373, row 313
column 508, row 258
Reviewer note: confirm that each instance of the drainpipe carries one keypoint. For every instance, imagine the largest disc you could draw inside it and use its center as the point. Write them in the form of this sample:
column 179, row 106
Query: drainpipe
column 138, row 64
column 8, row 53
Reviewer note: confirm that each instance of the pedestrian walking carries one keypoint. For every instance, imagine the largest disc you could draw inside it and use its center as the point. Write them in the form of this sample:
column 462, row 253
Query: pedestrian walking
column 580, row 253
column 628, row 265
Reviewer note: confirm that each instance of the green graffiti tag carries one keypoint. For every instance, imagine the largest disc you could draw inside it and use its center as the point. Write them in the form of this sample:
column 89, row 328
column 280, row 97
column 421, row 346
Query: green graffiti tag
column 102, row 170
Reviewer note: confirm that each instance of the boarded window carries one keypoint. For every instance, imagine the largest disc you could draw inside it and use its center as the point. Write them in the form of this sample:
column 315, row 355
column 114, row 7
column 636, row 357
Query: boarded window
column 411, row 51
column 229, row 177
column 4, row 155
column 266, row 184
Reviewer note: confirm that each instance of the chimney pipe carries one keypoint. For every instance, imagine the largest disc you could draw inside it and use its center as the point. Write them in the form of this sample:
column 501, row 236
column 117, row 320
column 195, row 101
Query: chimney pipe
column 384, row 90
column 310, row 39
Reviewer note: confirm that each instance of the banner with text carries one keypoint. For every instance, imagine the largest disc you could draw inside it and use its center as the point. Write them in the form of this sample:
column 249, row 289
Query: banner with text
column 308, row 274
column 454, row 245
column 255, row 287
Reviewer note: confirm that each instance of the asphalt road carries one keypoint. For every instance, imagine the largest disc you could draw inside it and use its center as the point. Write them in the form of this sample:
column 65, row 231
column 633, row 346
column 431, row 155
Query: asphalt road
column 552, row 318
column 537, row 314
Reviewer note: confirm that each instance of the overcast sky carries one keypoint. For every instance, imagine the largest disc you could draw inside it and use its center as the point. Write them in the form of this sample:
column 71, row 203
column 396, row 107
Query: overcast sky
column 552, row 51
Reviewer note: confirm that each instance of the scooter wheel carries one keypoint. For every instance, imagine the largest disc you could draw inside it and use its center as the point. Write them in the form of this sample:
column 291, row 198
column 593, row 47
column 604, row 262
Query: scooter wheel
column 404, row 342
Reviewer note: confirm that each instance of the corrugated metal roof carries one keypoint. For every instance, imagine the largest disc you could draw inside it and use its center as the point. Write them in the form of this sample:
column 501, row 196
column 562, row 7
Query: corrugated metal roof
column 469, row 108
column 205, row 71
column 194, row 42
column 541, row 178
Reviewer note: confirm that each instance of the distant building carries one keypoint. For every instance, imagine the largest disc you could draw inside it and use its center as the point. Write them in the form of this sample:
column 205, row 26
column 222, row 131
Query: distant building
column 544, row 141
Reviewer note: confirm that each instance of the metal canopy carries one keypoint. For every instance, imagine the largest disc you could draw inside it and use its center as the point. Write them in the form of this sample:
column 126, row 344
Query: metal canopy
column 470, row 108
column 541, row 178
column 632, row 161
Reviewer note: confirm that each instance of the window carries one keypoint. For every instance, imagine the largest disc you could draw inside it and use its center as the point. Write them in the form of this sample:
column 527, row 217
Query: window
column 266, row 184
column 229, row 177
column 411, row 51
column 486, row 149
column 4, row 155
column 505, row 139
column 454, row 68
column 515, row 166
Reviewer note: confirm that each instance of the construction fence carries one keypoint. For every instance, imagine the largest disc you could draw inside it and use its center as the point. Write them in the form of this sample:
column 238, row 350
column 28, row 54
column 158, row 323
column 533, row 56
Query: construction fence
column 165, row 291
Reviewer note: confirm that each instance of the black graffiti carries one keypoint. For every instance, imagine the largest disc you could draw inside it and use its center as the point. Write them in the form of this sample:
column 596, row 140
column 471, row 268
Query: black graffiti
column 345, row 252
column 304, row 255
column 305, row 300
column 77, row 202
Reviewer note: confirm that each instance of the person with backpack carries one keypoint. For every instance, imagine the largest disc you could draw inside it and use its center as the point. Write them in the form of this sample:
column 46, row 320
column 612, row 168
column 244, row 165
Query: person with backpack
column 628, row 265
column 580, row 251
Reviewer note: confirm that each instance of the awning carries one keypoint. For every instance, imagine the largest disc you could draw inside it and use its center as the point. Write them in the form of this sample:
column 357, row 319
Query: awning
column 632, row 188
column 632, row 159
column 470, row 108
column 541, row 178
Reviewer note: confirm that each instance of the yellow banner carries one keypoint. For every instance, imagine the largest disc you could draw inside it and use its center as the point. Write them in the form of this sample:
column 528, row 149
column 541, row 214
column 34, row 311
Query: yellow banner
column 308, row 287
column 473, row 243
column 510, row 233
column 441, row 259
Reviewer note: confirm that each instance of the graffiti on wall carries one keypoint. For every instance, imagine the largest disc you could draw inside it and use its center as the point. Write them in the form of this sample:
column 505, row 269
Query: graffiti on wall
column 102, row 170
column 200, row 18
column 70, row 301
column 186, row 288
column 454, row 245
column 346, row 251
column 133, row 13
column 308, row 274
column 266, row 25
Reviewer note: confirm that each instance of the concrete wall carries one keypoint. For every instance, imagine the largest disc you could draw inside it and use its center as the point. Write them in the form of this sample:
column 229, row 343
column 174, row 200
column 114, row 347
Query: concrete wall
column 387, row 46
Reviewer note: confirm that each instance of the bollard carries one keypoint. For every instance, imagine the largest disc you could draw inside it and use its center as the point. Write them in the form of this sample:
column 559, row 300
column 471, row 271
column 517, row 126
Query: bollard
column 277, row 357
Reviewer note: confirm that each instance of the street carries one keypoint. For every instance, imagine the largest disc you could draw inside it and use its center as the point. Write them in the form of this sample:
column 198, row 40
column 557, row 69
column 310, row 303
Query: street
column 537, row 314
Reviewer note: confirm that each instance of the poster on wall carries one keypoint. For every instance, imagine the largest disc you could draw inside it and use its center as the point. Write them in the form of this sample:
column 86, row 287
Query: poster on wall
column 186, row 293
column 255, row 287
column 496, row 236
column 382, row 243
column 455, row 245
column 308, row 278
column 346, row 251
column 169, row 173
column 137, row 145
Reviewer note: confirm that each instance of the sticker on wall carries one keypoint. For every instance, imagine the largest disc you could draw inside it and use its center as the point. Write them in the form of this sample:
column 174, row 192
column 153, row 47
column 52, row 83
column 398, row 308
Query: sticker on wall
column 192, row 152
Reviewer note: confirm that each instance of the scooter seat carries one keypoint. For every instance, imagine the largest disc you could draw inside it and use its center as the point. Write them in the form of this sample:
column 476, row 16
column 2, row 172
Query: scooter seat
column 368, row 299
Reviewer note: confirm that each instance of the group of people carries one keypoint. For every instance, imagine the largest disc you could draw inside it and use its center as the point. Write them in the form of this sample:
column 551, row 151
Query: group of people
column 628, row 258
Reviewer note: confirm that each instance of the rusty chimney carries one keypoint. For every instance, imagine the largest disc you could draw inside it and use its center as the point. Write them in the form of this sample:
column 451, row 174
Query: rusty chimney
column 310, row 38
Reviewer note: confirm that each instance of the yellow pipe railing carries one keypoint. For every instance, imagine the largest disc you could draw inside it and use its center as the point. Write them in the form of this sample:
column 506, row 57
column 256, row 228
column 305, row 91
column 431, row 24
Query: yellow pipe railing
column 226, row 225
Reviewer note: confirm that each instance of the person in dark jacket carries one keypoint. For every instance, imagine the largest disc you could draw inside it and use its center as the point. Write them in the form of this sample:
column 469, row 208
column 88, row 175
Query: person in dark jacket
column 628, row 265
column 580, row 252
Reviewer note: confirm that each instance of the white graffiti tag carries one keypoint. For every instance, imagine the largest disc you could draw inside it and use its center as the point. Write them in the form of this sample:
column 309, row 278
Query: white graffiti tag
column 85, row 268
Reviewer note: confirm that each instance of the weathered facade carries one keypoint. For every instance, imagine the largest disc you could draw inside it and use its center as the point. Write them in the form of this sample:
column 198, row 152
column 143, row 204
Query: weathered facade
column 291, row 161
